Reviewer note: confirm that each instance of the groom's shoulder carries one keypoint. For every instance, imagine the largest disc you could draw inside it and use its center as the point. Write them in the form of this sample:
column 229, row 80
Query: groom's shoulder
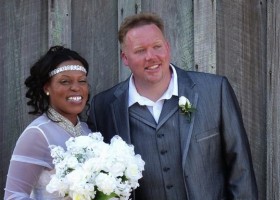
column 199, row 76
column 204, row 75
column 112, row 90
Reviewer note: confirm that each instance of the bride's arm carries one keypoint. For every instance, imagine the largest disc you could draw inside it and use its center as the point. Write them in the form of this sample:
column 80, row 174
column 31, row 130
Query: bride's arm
column 21, row 179
column 30, row 157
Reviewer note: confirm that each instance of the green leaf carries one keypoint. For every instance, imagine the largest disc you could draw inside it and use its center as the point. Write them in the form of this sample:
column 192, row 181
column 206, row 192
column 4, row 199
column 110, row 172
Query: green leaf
column 102, row 196
column 192, row 109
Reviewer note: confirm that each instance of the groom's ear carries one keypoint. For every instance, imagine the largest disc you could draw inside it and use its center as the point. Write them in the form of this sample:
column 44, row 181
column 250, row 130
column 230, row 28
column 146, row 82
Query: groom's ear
column 124, row 58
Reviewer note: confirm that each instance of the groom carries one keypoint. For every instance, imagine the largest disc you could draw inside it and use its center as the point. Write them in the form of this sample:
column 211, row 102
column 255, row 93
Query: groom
column 202, row 155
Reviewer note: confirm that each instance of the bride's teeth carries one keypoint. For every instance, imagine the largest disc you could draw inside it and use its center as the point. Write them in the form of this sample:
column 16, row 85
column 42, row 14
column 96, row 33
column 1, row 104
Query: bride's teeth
column 75, row 98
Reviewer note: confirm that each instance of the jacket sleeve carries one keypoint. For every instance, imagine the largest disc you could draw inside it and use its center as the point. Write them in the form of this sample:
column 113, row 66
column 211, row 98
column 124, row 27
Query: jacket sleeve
column 241, row 179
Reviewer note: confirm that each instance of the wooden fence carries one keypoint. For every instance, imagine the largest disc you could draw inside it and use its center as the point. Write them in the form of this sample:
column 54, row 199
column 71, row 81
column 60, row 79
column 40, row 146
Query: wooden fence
column 238, row 39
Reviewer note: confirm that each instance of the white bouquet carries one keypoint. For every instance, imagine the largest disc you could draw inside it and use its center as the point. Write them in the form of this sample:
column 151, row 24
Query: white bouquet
column 92, row 169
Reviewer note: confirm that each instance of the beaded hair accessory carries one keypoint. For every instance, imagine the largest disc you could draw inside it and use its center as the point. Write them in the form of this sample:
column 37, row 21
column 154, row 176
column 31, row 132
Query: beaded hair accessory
column 67, row 68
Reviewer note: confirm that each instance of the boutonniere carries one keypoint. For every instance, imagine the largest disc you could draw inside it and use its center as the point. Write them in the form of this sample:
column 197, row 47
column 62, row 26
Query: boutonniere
column 186, row 107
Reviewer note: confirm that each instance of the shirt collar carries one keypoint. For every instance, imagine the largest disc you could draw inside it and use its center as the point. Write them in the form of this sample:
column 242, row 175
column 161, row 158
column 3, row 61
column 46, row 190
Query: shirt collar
column 135, row 97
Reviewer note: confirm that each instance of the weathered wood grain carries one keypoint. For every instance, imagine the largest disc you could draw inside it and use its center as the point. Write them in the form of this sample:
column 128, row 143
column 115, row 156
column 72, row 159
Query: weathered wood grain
column 205, row 36
column 126, row 8
column 241, row 56
column 59, row 23
column 273, row 100
column 94, row 36
column 23, row 39
column 178, row 19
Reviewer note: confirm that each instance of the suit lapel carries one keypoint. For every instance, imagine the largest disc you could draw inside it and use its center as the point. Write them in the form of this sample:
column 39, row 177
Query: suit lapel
column 169, row 108
column 119, row 109
column 142, row 114
column 186, row 128
column 186, row 88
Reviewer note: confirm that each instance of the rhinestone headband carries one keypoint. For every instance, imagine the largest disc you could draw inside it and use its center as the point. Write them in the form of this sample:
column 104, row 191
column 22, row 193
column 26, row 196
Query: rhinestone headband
column 67, row 68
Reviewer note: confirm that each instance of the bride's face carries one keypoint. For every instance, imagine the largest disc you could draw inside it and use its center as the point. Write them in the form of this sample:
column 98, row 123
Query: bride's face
column 68, row 91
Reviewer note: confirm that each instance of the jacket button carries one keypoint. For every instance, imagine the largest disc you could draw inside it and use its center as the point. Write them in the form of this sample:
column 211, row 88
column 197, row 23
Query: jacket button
column 165, row 169
column 160, row 135
column 163, row 152
column 169, row 187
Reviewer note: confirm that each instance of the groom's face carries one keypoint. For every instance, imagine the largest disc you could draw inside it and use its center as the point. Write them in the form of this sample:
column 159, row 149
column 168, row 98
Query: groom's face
column 146, row 52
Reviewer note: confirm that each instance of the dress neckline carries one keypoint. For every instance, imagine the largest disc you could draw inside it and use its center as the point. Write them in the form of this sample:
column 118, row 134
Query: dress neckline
column 66, row 124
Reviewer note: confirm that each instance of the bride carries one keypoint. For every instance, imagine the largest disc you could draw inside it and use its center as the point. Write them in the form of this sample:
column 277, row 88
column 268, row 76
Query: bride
column 58, row 90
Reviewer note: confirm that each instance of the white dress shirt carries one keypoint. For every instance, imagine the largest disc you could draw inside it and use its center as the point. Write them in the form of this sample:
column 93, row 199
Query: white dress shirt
column 154, row 107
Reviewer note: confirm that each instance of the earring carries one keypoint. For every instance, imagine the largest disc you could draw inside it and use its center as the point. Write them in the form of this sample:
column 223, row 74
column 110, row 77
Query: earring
column 47, row 93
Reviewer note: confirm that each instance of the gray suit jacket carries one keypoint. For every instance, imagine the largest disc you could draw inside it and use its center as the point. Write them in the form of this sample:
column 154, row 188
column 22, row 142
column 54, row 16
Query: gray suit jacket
column 216, row 158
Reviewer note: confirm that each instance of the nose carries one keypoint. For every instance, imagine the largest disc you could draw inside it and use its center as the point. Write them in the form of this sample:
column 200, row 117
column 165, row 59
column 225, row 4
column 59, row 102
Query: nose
column 75, row 86
column 150, row 54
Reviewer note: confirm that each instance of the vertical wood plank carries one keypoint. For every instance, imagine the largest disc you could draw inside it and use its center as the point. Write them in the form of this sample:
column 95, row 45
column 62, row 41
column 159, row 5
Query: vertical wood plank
column 59, row 19
column 241, row 56
column 94, row 36
column 3, row 145
column 178, row 20
column 273, row 100
column 23, row 39
column 126, row 8
column 205, row 36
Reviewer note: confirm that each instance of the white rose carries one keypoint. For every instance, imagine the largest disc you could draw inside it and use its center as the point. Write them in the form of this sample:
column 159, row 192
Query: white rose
column 140, row 163
column 116, row 168
column 71, row 162
column 53, row 185
column 120, row 150
column 105, row 183
column 94, row 165
column 57, row 185
column 76, row 176
column 79, row 142
column 97, row 136
column 132, row 172
column 183, row 101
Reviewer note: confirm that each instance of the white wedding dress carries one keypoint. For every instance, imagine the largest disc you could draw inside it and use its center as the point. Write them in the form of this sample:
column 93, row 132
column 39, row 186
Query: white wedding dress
column 31, row 163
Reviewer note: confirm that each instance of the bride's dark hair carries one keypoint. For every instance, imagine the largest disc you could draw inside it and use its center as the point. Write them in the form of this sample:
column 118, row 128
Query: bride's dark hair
column 39, row 76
